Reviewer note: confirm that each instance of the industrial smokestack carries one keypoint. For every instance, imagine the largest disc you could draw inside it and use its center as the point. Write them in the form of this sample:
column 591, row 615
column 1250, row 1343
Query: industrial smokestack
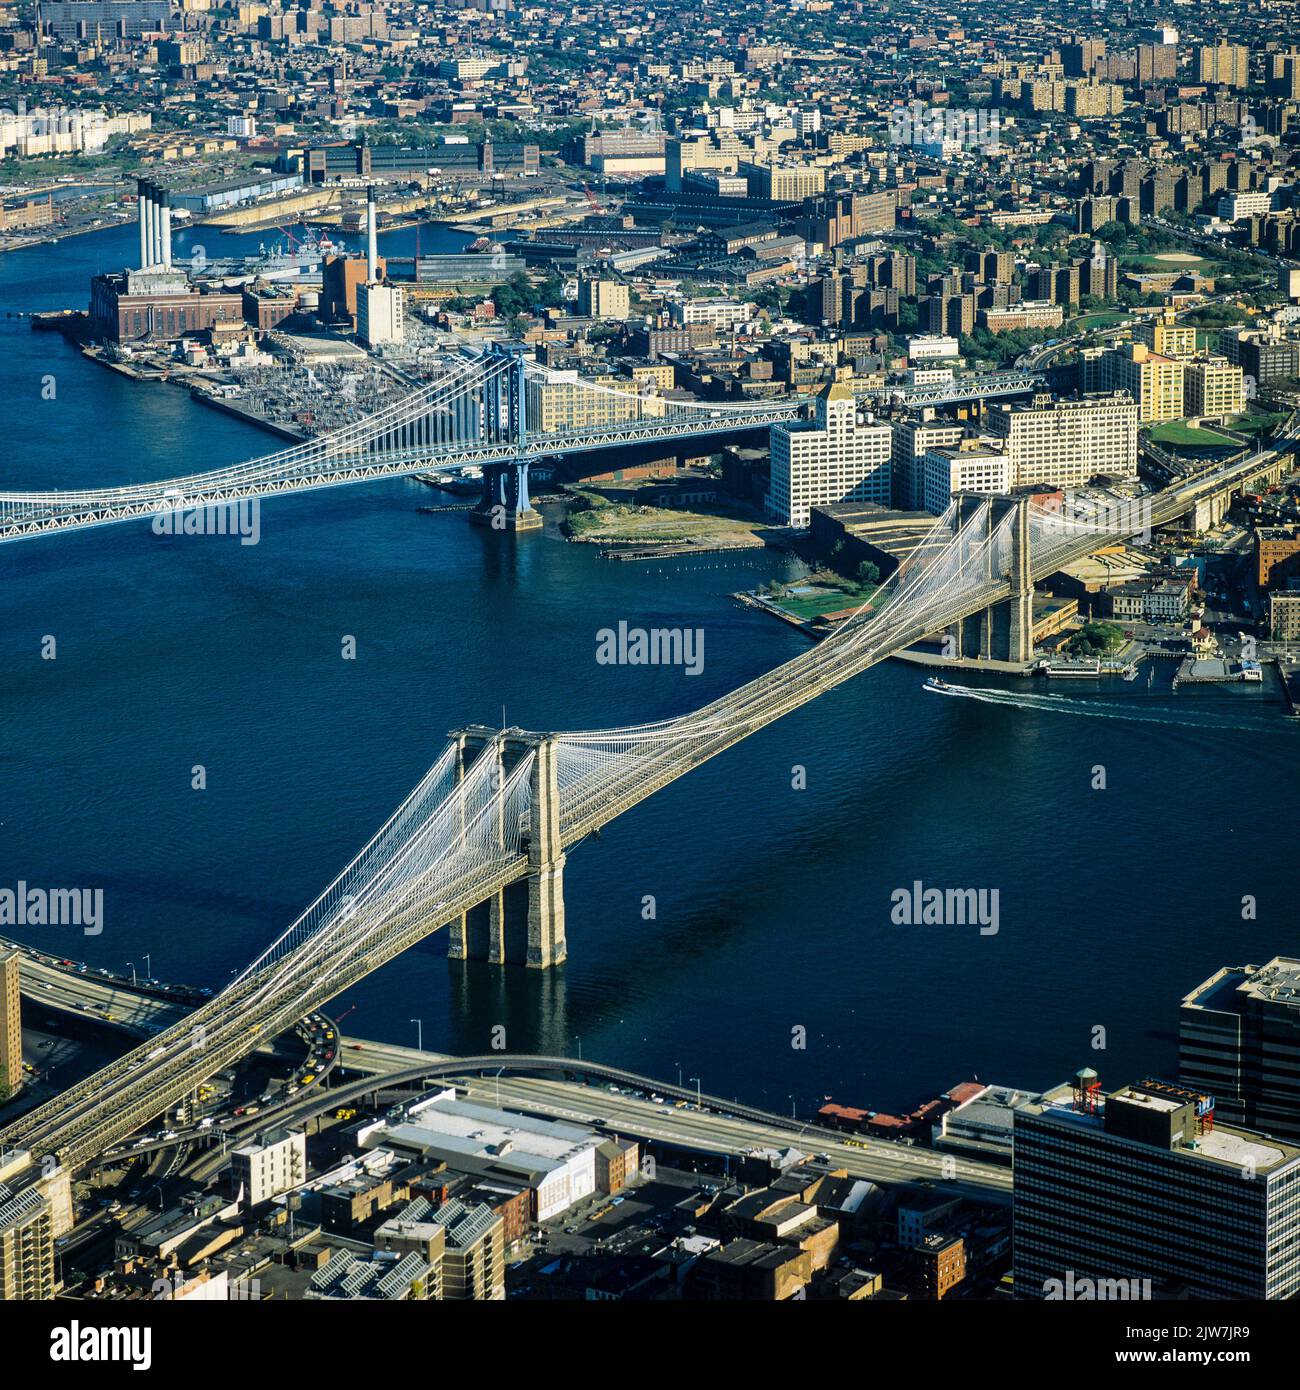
column 142, row 210
column 372, row 245
column 165, row 228
column 150, row 225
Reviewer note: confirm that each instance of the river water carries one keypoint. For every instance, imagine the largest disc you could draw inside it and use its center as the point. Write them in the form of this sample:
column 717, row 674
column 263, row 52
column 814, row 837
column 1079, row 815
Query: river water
column 771, row 968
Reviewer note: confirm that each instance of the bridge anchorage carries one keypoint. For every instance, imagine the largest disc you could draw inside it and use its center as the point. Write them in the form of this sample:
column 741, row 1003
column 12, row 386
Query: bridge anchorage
column 521, row 922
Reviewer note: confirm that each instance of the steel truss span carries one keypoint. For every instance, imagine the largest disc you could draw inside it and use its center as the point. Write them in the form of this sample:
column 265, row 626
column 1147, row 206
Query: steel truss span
column 473, row 414
column 465, row 831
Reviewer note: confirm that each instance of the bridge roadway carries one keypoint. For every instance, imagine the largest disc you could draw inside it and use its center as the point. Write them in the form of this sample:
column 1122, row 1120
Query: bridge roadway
column 445, row 425
column 149, row 1080
column 451, row 423
column 108, row 1003
column 554, row 1088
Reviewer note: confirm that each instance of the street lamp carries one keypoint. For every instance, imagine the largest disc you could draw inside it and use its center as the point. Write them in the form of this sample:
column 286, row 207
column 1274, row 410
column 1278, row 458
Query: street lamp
column 498, row 1081
column 679, row 1076
column 698, row 1102
column 131, row 963
column 419, row 1034
column 148, row 965
column 578, row 1040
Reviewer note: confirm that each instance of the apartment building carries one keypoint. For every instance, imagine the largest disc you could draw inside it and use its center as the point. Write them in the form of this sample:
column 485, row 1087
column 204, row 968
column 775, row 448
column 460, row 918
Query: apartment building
column 1167, row 337
column 1227, row 64
column 912, row 440
column 603, row 299
column 26, row 1246
column 1277, row 555
column 474, row 1257
column 274, row 1163
column 11, row 1023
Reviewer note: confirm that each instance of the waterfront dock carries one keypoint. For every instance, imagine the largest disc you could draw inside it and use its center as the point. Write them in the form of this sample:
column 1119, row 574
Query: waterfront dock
column 1216, row 670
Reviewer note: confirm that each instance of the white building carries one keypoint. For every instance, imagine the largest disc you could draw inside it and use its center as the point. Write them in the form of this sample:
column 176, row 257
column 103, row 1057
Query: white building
column 974, row 465
column 277, row 1164
column 931, row 347
column 29, row 133
column 381, row 314
column 557, row 1160
column 717, row 313
column 839, row 456
column 1234, row 206
column 1068, row 443
column 929, row 376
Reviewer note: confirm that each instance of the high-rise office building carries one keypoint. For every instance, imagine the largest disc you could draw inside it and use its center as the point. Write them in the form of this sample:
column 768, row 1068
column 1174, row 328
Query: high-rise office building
column 834, row 457
column 11, row 1023
column 1239, row 1040
column 1142, row 1190
column 1067, row 443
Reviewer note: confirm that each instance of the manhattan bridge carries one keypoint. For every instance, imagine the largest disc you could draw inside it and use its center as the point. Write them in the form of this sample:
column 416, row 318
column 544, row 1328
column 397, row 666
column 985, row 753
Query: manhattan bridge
column 486, row 830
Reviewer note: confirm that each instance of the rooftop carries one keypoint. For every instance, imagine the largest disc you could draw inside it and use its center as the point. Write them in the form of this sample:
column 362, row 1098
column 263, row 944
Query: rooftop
column 1223, row 1144
column 1233, row 988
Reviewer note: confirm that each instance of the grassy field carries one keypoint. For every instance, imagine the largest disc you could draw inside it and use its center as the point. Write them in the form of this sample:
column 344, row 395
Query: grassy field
column 1154, row 263
column 814, row 599
column 1255, row 424
column 1103, row 318
column 616, row 524
column 1175, row 433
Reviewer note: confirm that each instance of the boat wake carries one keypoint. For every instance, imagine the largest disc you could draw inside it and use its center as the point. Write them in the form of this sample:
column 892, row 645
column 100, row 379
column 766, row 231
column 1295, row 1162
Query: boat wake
column 1150, row 713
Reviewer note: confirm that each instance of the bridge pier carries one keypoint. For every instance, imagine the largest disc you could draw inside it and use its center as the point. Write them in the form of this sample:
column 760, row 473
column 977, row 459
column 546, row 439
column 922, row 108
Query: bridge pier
column 505, row 504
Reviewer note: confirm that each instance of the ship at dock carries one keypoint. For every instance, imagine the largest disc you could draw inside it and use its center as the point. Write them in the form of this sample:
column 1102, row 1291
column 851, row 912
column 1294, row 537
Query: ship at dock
column 282, row 260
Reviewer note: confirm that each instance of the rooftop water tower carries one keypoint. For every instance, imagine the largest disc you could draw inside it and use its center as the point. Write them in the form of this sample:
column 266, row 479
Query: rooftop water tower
column 1086, row 1089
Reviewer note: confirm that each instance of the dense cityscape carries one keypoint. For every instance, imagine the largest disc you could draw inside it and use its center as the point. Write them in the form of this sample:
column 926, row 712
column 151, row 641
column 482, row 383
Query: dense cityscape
column 646, row 375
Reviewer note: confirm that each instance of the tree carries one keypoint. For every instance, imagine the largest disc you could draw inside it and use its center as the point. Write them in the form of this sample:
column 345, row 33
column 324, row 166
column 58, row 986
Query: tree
column 868, row 573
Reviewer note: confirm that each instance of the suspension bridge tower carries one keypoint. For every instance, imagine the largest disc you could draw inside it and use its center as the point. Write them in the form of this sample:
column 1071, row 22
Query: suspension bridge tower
column 505, row 505
column 1003, row 631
